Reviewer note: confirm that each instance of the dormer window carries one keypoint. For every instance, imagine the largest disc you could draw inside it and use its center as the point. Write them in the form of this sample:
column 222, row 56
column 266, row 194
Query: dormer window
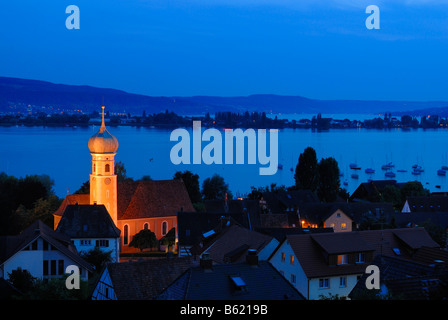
column 360, row 257
column 342, row 259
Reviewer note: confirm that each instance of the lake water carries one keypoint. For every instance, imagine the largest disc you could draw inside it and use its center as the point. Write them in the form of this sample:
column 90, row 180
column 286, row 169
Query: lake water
column 62, row 153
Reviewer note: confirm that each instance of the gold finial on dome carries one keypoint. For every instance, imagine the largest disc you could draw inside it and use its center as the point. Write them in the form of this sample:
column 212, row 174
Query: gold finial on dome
column 103, row 141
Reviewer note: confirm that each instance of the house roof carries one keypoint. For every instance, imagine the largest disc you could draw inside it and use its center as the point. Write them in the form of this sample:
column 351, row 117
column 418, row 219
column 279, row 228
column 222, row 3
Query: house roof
column 278, row 201
column 261, row 282
column 144, row 280
column 71, row 199
column 142, row 199
column 373, row 187
column 193, row 225
column 428, row 203
column 309, row 248
column 232, row 244
column 406, row 279
column 281, row 233
column 345, row 242
column 87, row 221
column 13, row 244
column 411, row 219
column 248, row 210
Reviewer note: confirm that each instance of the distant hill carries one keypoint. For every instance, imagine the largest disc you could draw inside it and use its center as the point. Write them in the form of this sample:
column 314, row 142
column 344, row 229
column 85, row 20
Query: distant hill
column 15, row 91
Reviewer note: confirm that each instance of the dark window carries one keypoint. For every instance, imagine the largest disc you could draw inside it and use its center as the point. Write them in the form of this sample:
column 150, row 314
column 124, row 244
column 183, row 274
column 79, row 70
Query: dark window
column 53, row 267
column 125, row 234
column 107, row 168
column 45, row 267
column 34, row 245
column 61, row 267
column 164, row 227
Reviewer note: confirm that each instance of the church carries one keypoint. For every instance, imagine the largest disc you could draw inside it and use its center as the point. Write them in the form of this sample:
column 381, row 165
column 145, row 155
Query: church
column 132, row 205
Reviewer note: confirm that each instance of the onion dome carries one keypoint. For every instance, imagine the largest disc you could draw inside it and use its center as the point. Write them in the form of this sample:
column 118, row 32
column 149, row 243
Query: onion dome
column 103, row 141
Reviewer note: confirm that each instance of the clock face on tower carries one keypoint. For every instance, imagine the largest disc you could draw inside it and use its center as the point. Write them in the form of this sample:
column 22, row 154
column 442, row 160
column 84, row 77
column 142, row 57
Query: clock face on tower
column 107, row 181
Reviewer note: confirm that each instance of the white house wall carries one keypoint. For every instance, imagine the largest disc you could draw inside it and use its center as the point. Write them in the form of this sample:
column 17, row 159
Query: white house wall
column 288, row 269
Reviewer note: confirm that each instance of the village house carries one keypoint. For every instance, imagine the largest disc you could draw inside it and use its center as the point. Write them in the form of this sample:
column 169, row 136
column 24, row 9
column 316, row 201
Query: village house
column 330, row 264
column 43, row 252
column 429, row 203
column 139, row 280
column 423, row 278
column 248, row 280
column 232, row 243
column 90, row 227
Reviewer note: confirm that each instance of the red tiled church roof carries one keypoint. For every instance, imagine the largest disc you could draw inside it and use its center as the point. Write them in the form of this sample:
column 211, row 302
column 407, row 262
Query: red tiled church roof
column 145, row 199
column 142, row 199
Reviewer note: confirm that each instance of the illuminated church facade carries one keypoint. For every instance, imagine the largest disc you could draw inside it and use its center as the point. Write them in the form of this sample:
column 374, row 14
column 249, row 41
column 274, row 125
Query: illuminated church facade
column 132, row 205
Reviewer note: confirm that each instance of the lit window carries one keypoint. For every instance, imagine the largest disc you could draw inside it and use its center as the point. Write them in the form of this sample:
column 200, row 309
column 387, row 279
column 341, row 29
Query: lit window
column 332, row 225
column 343, row 226
column 342, row 259
column 291, row 259
column 283, row 256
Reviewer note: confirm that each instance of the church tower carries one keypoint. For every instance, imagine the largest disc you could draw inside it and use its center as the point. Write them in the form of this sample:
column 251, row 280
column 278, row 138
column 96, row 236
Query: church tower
column 103, row 180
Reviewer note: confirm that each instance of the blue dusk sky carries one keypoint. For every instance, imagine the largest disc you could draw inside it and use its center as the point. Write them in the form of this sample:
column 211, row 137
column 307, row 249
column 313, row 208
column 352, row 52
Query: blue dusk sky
column 313, row 48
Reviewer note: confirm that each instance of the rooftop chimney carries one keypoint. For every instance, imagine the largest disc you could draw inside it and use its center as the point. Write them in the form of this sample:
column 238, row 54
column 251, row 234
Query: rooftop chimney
column 252, row 258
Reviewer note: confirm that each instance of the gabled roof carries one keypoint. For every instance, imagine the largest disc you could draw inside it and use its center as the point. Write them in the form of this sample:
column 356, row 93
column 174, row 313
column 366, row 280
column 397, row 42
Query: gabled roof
column 261, row 282
column 232, row 243
column 87, row 221
column 372, row 188
column 145, row 199
column 144, row 280
column 411, row 219
column 247, row 210
column 281, row 233
column 192, row 225
column 14, row 244
column 309, row 251
column 404, row 279
column 428, row 203
column 345, row 242
column 278, row 201
column 71, row 199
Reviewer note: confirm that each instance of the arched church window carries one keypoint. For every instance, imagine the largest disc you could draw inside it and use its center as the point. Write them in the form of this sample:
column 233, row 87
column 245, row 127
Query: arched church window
column 164, row 228
column 94, row 168
column 146, row 226
column 125, row 234
column 107, row 168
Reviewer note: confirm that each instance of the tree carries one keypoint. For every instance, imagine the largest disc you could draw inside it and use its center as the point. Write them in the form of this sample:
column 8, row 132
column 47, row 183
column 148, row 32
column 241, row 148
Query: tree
column 307, row 174
column 191, row 182
column 215, row 188
column 84, row 189
column 413, row 189
column 120, row 171
column 97, row 257
column 329, row 182
column 145, row 239
column 21, row 279
column 170, row 238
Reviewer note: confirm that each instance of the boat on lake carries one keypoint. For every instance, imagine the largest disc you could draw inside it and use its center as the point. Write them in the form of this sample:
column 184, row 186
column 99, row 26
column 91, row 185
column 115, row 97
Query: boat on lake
column 354, row 166
column 390, row 174
column 441, row 172
column 355, row 176
column 369, row 170
column 387, row 166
